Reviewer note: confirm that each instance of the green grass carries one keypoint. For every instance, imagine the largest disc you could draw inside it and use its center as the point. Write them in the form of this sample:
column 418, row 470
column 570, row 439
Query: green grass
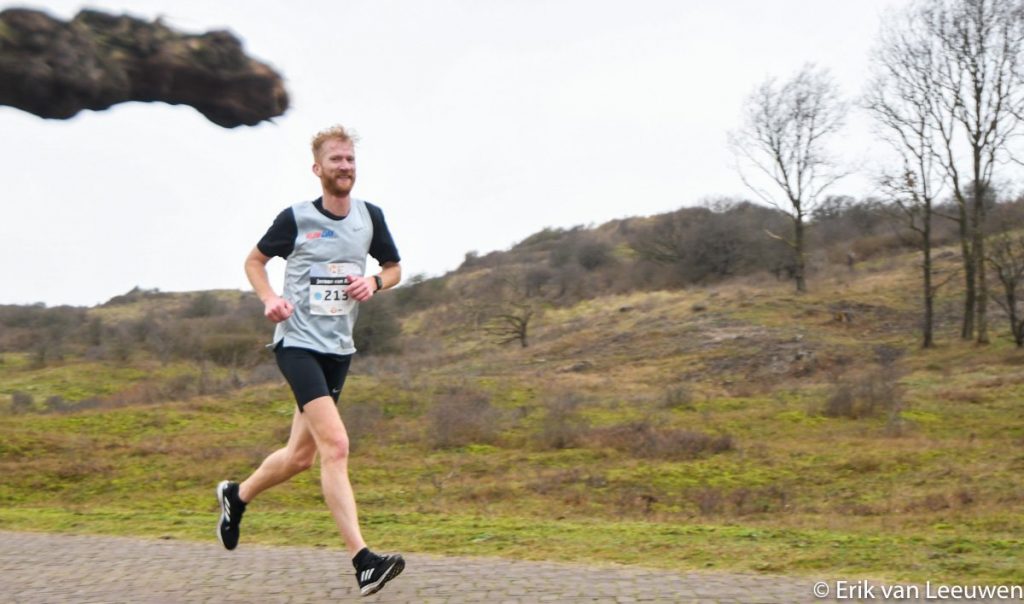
column 75, row 472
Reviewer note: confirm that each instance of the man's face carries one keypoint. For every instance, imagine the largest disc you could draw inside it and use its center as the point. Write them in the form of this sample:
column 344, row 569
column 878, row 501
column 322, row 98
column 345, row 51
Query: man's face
column 336, row 167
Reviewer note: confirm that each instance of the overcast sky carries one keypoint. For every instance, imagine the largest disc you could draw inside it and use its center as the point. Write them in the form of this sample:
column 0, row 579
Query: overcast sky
column 481, row 122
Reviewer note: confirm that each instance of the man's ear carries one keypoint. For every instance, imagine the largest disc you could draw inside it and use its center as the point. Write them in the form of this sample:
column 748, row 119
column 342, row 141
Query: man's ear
column 316, row 169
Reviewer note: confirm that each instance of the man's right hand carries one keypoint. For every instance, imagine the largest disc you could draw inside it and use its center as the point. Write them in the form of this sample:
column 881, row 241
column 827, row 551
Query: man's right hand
column 277, row 309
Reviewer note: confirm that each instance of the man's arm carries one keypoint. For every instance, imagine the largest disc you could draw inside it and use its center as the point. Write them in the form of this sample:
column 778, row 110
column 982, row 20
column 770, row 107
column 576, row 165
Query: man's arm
column 362, row 289
column 275, row 308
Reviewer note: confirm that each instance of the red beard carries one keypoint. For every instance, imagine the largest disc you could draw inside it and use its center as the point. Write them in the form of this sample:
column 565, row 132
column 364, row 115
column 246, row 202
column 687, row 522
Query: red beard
column 330, row 184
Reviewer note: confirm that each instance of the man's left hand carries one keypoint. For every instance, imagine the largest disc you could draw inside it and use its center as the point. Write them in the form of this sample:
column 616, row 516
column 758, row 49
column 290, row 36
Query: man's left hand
column 360, row 289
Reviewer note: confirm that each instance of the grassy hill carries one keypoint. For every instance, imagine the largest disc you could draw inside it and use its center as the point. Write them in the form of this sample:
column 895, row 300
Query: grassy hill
column 731, row 426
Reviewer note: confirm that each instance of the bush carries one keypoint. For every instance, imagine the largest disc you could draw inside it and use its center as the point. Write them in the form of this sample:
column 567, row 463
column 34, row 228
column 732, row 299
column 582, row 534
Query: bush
column 378, row 330
column 232, row 349
column 594, row 254
column 562, row 254
column 864, row 395
column 205, row 304
column 679, row 396
column 563, row 427
column 56, row 403
column 420, row 292
column 459, row 418
column 709, row 501
column 535, row 279
column 643, row 439
column 136, row 294
column 699, row 245
column 21, row 401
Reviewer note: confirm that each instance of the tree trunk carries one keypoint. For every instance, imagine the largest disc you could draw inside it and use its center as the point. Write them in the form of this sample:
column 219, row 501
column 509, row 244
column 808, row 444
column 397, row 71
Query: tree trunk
column 927, row 340
column 978, row 228
column 1016, row 324
column 967, row 329
column 798, row 247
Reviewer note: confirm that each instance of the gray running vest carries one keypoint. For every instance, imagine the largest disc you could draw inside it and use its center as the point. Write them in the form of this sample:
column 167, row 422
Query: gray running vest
column 326, row 251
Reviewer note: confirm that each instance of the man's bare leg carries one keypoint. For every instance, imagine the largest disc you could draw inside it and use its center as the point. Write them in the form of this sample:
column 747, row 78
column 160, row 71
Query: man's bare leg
column 278, row 467
column 281, row 465
column 324, row 423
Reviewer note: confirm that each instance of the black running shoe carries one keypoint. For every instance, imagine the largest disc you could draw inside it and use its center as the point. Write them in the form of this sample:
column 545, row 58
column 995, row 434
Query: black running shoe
column 373, row 577
column 231, row 510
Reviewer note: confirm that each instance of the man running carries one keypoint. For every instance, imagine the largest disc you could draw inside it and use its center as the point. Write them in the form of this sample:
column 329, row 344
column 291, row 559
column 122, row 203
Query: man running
column 325, row 244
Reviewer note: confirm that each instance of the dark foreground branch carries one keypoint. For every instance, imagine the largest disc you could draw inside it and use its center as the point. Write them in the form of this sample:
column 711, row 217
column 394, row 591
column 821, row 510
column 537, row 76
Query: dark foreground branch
column 55, row 69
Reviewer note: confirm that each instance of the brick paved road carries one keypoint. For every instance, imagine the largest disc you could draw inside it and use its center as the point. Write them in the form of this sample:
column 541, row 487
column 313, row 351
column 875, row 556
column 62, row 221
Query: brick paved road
column 50, row 568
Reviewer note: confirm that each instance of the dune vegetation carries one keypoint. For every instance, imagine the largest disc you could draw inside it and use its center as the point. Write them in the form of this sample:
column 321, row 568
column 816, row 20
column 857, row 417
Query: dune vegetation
column 729, row 423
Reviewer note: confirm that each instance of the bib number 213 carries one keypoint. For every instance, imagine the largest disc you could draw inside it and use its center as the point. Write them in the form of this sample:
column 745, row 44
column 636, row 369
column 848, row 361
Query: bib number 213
column 327, row 283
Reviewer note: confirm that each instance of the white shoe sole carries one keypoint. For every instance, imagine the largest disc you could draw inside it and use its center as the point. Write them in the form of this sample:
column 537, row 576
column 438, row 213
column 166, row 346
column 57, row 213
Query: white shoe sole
column 392, row 572
column 223, row 512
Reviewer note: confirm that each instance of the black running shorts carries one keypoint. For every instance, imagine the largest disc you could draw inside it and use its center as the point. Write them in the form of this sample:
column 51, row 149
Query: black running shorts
column 312, row 374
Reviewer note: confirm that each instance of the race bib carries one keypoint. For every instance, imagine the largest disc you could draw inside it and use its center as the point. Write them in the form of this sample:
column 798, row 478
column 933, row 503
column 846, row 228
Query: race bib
column 327, row 283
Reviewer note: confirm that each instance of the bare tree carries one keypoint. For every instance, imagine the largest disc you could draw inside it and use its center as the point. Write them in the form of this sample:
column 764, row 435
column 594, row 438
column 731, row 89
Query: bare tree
column 783, row 141
column 1006, row 256
column 511, row 323
column 901, row 96
column 978, row 109
column 916, row 211
column 507, row 306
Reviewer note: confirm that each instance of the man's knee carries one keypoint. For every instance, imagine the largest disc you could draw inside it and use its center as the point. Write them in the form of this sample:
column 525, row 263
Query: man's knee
column 300, row 461
column 334, row 448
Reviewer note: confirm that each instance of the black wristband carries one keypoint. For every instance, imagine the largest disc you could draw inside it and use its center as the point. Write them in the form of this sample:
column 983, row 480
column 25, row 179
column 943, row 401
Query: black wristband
column 379, row 282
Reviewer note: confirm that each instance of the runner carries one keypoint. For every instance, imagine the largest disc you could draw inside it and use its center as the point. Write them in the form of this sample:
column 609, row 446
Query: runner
column 325, row 244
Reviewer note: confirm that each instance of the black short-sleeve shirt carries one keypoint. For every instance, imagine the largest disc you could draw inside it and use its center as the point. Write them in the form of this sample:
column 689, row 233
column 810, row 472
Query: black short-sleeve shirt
column 279, row 239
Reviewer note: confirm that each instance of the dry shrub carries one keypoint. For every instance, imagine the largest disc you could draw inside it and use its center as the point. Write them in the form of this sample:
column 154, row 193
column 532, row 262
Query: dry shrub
column 842, row 401
column 864, row 395
column 973, row 397
column 759, row 500
column 939, row 501
column 563, row 427
column 742, row 501
column 637, row 503
column 679, row 396
column 361, row 421
column 461, row 417
column 56, row 403
column 81, row 468
column 160, row 445
column 205, row 304
column 594, row 254
column 558, row 481
column 964, row 496
column 876, row 245
column 489, row 493
column 754, row 387
column 263, row 373
column 859, row 508
column 932, row 502
column 644, row 439
column 710, row 501
column 232, row 349
column 21, row 401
